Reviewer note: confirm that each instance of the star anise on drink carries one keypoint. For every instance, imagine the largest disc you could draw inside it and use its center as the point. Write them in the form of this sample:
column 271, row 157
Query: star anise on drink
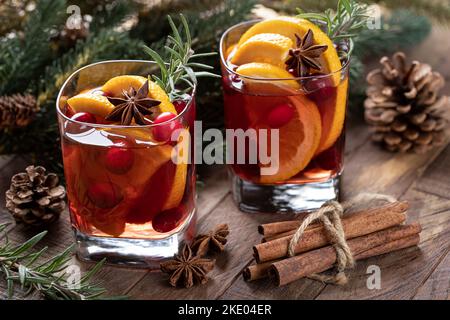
column 133, row 104
column 305, row 56
column 187, row 269
column 213, row 241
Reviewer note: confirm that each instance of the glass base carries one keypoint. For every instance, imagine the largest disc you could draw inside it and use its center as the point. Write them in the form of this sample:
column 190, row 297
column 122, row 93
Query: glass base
column 140, row 253
column 285, row 198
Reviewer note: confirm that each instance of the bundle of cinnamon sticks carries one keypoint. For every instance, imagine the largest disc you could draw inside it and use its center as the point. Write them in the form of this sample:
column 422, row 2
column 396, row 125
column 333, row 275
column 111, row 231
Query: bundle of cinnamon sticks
column 369, row 233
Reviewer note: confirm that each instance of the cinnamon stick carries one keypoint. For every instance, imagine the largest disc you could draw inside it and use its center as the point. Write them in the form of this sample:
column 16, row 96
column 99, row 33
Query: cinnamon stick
column 261, row 270
column 275, row 228
column 354, row 225
column 278, row 236
column 257, row 271
column 316, row 261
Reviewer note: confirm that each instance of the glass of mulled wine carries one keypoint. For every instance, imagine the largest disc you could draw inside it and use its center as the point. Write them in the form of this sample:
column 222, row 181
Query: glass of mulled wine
column 299, row 121
column 131, row 188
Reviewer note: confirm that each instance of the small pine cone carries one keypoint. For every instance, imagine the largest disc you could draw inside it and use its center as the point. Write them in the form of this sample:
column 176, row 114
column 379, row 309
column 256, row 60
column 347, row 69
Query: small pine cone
column 35, row 198
column 403, row 105
column 17, row 110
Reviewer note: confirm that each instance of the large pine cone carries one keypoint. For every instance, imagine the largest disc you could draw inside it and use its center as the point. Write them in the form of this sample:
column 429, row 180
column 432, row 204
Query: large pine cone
column 35, row 198
column 17, row 110
column 404, row 107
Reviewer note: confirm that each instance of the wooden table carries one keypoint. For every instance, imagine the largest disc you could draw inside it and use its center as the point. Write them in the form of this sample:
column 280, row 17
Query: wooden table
column 415, row 273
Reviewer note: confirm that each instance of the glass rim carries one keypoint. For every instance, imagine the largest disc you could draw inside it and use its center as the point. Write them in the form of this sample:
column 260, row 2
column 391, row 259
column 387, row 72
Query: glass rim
column 98, row 125
column 225, row 64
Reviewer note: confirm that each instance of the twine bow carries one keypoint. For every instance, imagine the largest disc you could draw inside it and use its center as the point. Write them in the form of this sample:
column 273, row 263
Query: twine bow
column 330, row 214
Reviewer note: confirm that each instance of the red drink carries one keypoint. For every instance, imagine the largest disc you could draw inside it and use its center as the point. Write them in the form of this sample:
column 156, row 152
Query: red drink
column 276, row 109
column 262, row 93
column 131, row 189
column 121, row 183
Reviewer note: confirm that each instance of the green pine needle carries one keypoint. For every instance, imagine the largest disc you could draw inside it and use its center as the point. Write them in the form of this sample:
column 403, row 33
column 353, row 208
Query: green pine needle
column 18, row 266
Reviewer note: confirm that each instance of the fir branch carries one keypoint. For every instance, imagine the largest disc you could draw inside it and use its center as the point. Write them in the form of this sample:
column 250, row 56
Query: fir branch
column 112, row 15
column 21, row 58
column 438, row 10
column 104, row 45
column 399, row 30
column 180, row 68
column 18, row 264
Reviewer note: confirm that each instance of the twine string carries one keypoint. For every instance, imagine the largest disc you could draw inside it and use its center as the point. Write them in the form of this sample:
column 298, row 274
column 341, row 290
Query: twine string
column 330, row 215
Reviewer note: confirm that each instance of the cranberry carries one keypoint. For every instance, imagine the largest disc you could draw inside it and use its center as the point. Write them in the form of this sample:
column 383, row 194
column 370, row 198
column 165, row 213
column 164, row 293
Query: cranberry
column 180, row 105
column 320, row 89
column 84, row 117
column 119, row 160
column 77, row 128
column 104, row 195
column 166, row 221
column 280, row 115
column 164, row 131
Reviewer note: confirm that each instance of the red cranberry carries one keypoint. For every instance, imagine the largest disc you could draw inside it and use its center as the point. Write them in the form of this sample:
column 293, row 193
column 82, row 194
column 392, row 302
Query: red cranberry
column 320, row 89
column 180, row 105
column 280, row 115
column 77, row 128
column 84, row 117
column 104, row 195
column 119, row 160
column 166, row 221
column 164, row 131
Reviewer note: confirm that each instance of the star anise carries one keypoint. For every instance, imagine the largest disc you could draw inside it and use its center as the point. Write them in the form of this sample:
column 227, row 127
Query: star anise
column 214, row 241
column 185, row 269
column 305, row 56
column 134, row 104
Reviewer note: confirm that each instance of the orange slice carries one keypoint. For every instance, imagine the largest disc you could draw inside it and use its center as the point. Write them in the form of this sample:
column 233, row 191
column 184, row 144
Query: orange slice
column 265, row 47
column 179, row 182
column 116, row 85
column 267, row 71
column 299, row 140
column 333, row 118
column 288, row 27
column 92, row 103
column 179, row 185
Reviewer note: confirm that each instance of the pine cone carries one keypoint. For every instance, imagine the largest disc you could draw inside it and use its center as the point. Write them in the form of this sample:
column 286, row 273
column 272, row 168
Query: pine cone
column 34, row 197
column 404, row 107
column 17, row 110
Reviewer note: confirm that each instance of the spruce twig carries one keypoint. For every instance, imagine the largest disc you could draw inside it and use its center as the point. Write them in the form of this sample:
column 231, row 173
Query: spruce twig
column 22, row 57
column 18, row 264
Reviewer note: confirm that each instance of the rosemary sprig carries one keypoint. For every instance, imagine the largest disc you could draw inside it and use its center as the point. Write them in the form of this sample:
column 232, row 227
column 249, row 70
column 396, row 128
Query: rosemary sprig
column 179, row 67
column 344, row 23
column 19, row 265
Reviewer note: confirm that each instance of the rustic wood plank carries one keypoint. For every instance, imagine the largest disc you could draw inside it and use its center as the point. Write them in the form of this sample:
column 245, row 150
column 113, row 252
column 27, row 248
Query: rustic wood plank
column 437, row 286
column 436, row 178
